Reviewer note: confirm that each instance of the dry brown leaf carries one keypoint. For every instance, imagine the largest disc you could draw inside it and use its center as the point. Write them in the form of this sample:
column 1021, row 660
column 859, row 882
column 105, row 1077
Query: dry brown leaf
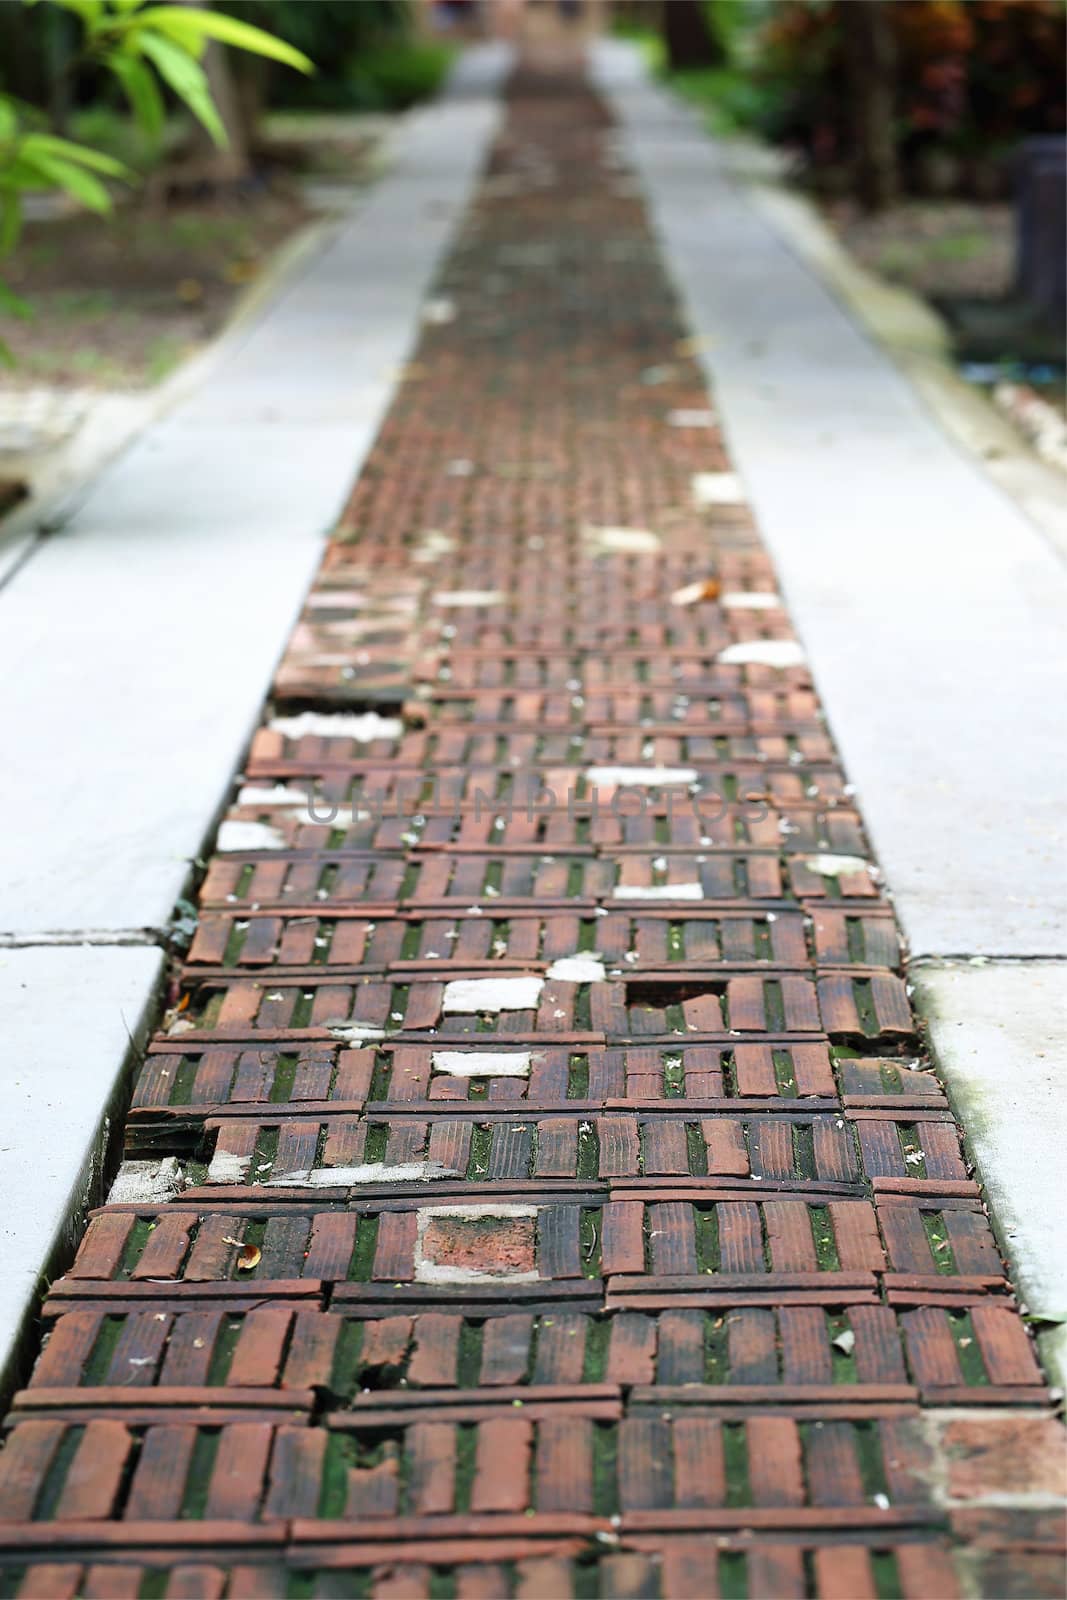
column 693, row 593
column 249, row 1257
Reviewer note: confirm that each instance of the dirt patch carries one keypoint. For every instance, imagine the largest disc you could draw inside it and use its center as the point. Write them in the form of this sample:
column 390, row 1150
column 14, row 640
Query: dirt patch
column 932, row 247
column 120, row 301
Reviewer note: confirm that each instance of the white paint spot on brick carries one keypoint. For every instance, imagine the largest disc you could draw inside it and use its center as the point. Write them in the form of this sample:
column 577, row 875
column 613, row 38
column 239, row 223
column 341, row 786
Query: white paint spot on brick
column 621, row 541
column 658, row 891
column 432, row 546
column 362, row 726
column 482, row 1064
column 276, row 796
column 249, row 836
column 829, row 866
column 369, row 1172
column 469, row 597
column 762, row 653
column 578, row 969
column 689, row 417
column 717, row 489
column 147, row 1182
column 750, row 600
column 639, row 777
column 465, row 995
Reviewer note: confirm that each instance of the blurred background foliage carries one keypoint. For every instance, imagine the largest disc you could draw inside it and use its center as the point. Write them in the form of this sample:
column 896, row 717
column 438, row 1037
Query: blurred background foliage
column 958, row 83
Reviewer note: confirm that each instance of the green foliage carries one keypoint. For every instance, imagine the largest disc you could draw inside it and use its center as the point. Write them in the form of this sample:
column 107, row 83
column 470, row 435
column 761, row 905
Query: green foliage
column 732, row 100
column 731, row 97
column 398, row 73
column 143, row 47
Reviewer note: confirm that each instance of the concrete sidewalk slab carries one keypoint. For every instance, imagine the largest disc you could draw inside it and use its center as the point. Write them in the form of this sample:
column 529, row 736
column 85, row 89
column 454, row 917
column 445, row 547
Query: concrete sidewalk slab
column 72, row 1018
column 918, row 587
column 136, row 646
column 999, row 1033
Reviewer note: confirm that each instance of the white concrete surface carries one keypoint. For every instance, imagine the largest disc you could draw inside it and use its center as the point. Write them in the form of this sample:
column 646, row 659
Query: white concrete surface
column 931, row 609
column 999, row 1033
column 72, row 1018
column 136, row 646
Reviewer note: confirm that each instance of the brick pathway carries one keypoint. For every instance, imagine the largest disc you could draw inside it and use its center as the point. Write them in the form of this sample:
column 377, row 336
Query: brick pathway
column 570, row 1210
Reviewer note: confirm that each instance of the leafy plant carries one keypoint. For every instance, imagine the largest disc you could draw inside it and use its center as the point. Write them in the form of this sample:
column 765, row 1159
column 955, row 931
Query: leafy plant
column 148, row 49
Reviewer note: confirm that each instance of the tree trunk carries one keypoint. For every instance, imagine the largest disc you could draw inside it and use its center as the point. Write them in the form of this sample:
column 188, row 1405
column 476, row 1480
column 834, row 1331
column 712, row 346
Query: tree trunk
column 229, row 164
column 688, row 37
column 870, row 67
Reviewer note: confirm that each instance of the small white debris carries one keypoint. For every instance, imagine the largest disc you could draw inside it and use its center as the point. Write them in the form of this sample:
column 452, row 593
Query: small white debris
column 482, row 1064
column 762, row 653
column 147, row 1182
column 717, row 489
column 469, row 597
column 465, row 995
column 658, row 891
column 353, row 1034
column 439, row 311
column 845, row 1341
column 249, row 836
column 370, row 1172
column 228, row 1167
column 829, row 866
column 363, row 726
column 690, row 417
column 459, row 469
column 432, row 546
column 881, row 1501
column 639, row 777
column 750, row 600
column 578, row 969
column 621, row 541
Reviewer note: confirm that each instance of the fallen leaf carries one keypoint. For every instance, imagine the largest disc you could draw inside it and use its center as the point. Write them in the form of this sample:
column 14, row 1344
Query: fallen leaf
column 240, row 271
column 249, row 1257
column 693, row 593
